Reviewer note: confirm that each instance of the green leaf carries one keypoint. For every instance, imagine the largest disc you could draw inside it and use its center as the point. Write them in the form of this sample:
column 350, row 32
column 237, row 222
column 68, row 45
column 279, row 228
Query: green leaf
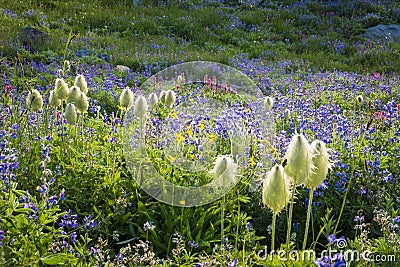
column 126, row 241
column 53, row 259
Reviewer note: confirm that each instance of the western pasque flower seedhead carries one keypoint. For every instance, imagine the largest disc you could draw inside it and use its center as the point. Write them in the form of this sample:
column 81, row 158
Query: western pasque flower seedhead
column 34, row 101
column 162, row 96
column 287, row 113
column 53, row 100
column 70, row 113
column 141, row 107
column 80, row 82
column 61, row 89
column 126, row 98
column 298, row 157
column 153, row 99
column 74, row 91
column 224, row 171
column 276, row 189
column 321, row 164
column 268, row 103
column 170, row 98
column 82, row 103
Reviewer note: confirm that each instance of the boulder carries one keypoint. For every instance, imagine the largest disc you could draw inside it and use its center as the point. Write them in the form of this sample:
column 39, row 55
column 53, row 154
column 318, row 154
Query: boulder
column 122, row 68
column 32, row 38
column 384, row 33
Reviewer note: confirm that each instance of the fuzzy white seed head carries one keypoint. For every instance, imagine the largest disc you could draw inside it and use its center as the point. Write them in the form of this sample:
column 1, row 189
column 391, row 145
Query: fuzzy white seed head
column 126, row 98
column 34, row 101
column 268, row 103
column 287, row 113
column 298, row 156
column 224, row 171
column 82, row 103
column 74, row 91
column 80, row 82
column 170, row 98
column 320, row 159
column 61, row 89
column 153, row 99
column 162, row 96
column 53, row 100
column 70, row 113
column 141, row 107
column 276, row 189
column 66, row 66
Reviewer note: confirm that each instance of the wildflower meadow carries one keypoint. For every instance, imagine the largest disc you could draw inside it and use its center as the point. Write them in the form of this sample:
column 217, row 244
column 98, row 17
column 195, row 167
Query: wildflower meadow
column 199, row 133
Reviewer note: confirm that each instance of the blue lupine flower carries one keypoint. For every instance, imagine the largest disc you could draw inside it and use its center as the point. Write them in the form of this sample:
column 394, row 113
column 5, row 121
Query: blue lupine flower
column 73, row 237
column 193, row 244
column 233, row 263
column 148, row 226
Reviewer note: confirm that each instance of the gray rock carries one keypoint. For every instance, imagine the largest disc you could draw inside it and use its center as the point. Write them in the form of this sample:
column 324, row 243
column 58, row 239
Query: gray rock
column 384, row 33
column 122, row 68
column 32, row 38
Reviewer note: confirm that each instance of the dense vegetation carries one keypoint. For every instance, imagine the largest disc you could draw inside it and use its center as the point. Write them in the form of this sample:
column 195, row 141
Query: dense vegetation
column 67, row 195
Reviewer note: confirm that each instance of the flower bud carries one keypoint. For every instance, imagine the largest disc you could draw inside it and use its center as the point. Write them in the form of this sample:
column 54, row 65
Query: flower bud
column 224, row 171
column 61, row 89
column 53, row 100
column 320, row 159
column 126, row 98
column 82, row 103
column 298, row 156
column 141, row 107
column 170, row 98
column 34, row 101
column 268, row 103
column 276, row 189
column 70, row 113
column 74, row 91
column 80, row 82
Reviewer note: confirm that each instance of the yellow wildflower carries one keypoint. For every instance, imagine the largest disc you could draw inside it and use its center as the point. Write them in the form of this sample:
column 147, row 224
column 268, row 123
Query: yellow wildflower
column 251, row 161
column 213, row 137
column 201, row 126
column 179, row 138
